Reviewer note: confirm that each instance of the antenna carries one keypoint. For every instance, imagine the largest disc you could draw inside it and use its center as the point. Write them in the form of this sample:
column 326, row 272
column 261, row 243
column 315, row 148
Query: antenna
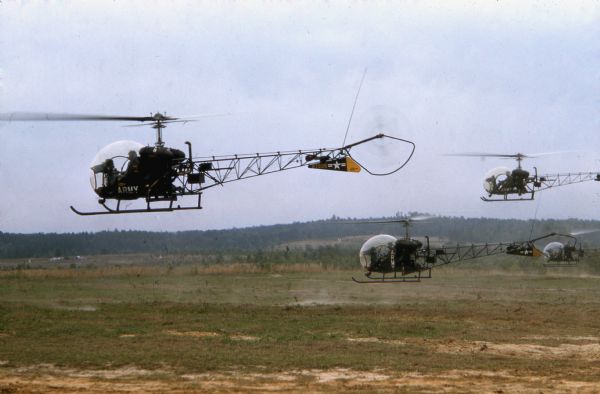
column 354, row 106
column 534, row 217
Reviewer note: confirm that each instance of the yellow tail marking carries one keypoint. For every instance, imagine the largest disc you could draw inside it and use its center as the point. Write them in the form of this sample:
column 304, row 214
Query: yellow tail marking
column 351, row 165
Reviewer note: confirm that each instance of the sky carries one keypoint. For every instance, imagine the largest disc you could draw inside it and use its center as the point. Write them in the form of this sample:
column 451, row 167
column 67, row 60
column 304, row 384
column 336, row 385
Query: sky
column 452, row 76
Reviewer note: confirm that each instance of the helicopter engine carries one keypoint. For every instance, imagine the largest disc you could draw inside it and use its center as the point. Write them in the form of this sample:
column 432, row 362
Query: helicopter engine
column 406, row 255
column 520, row 178
column 520, row 174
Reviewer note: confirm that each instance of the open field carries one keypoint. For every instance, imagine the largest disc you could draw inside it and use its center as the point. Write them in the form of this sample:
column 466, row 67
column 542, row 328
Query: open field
column 291, row 328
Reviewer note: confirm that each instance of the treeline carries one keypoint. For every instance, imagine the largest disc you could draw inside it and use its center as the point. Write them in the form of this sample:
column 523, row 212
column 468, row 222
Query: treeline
column 264, row 238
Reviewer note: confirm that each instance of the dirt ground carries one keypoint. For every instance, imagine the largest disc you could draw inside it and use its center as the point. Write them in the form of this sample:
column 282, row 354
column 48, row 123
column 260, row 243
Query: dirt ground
column 46, row 378
column 49, row 379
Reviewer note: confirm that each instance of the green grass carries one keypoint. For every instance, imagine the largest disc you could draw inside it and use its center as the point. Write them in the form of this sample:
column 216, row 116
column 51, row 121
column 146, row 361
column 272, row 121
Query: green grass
column 289, row 337
column 155, row 318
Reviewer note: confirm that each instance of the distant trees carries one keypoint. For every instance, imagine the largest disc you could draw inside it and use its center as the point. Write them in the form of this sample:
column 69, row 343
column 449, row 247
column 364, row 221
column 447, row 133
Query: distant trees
column 277, row 241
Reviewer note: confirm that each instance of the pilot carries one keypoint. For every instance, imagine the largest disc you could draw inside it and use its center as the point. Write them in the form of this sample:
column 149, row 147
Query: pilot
column 110, row 172
column 134, row 165
column 134, row 162
column 491, row 181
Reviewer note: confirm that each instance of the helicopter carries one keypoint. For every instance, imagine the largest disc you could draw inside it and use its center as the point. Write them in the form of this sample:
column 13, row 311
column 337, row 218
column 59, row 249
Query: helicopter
column 504, row 184
column 387, row 259
column 128, row 170
column 555, row 253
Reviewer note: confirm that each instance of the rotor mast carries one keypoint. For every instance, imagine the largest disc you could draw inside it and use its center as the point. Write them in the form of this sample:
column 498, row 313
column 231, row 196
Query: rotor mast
column 158, row 126
column 406, row 224
column 519, row 157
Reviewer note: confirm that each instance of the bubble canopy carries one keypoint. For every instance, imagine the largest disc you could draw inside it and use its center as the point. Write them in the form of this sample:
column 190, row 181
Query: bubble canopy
column 493, row 176
column 381, row 241
column 118, row 152
column 553, row 250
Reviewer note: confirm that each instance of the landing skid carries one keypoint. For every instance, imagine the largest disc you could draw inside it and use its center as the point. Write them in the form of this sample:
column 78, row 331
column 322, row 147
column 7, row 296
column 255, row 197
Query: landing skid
column 115, row 211
column 506, row 198
column 565, row 264
column 394, row 278
column 110, row 211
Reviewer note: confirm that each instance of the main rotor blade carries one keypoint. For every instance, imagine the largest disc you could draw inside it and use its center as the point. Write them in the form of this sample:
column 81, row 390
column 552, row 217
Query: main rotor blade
column 211, row 115
column 582, row 232
column 507, row 156
column 421, row 218
column 399, row 220
column 40, row 116
column 483, row 154
column 558, row 152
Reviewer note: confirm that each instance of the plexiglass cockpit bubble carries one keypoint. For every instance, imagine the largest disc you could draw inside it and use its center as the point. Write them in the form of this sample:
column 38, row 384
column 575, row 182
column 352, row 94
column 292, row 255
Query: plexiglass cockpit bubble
column 494, row 177
column 553, row 251
column 111, row 158
column 380, row 245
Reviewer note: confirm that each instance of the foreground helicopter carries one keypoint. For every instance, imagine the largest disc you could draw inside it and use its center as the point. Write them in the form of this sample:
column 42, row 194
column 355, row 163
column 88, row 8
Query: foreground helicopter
column 387, row 259
column 127, row 170
column 504, row 184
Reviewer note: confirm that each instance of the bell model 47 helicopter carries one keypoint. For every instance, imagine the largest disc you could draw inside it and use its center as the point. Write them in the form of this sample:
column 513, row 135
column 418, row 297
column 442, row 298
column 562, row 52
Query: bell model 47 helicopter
column 127, row 170
column 504, row 184
column 387, row 259
column 555, row 253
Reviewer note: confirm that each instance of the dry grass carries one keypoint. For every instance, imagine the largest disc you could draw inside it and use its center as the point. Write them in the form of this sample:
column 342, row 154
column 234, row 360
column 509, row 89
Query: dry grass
column 160, row 270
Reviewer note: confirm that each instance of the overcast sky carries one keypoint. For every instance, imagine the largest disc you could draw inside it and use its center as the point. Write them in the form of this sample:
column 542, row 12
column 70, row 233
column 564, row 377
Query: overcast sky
column 496, row 76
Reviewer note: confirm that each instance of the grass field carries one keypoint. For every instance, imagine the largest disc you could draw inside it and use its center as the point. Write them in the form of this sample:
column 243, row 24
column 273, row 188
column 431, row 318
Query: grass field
column 150, row 327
